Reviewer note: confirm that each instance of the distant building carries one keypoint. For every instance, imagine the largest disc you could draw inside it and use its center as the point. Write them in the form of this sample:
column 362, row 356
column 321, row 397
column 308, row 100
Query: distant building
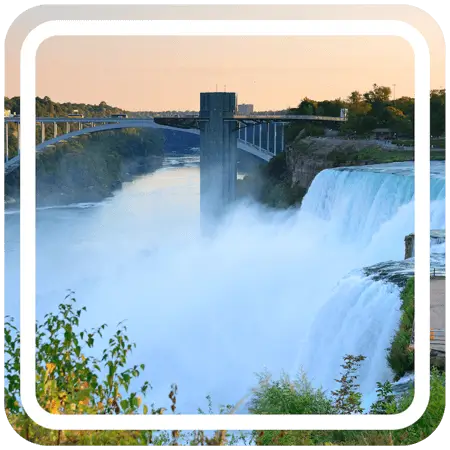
column 245, row 109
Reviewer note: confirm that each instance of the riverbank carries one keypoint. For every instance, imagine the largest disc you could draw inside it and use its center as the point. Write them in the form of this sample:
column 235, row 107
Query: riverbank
column 91, row 168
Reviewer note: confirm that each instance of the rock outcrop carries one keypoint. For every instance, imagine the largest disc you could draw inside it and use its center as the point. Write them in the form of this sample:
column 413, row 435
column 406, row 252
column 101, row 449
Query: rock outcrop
column 306, row 157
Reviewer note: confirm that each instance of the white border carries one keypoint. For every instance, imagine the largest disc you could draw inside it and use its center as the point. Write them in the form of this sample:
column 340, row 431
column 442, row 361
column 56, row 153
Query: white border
column 223, row 28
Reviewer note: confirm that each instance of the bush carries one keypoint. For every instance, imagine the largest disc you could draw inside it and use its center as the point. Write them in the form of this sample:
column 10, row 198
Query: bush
column 287, row 397
column 400, row 355
column 432, row 416
column 347, row 399
column 70, row 381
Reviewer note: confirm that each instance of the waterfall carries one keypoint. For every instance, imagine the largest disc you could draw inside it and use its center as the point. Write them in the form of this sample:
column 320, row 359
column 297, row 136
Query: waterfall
column 359, row 200
column 272, row 289
column 372, row 208
column 359, row 319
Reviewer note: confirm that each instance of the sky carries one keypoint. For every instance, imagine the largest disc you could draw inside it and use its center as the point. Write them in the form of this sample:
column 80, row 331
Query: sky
column 164, row 73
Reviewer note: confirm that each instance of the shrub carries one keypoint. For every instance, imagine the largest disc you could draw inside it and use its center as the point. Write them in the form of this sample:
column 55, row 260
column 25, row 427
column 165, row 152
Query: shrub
column 432, row 416
column 347, row 399
column 70, row 381
column 287, row 397
column 400, row 355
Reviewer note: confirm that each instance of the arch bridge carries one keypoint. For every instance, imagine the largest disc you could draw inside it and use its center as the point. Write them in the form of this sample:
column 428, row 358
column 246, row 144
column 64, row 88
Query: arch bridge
column 222, row 132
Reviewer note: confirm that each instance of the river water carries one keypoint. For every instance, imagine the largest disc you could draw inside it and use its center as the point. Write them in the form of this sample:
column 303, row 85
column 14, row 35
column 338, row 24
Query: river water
column 264, row 294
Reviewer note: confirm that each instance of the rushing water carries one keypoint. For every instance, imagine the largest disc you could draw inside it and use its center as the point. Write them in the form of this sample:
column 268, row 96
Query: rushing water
column 275, row 290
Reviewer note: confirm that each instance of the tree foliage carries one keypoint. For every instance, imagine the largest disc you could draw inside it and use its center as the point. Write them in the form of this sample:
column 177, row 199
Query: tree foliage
column 347, row 398
column 72, row 379
column 46, row 107
column 372, row 109
column 401, row 355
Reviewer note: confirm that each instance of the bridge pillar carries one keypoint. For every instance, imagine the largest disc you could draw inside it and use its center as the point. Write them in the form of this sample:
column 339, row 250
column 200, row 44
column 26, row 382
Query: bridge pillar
column 218, row 154
column 6, row 141
column 282, row 136
column 42, row 132
column 260, row 136
column 253, row 134
column 67, row 127
column 275, row 138
column 55, row 130
column 267, row 140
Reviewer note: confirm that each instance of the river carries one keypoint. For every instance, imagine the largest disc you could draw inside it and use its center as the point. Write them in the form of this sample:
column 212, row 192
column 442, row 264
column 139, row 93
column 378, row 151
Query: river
column 209, row 313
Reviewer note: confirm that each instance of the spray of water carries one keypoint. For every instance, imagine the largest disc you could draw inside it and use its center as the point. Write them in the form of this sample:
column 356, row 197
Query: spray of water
column 269, row 290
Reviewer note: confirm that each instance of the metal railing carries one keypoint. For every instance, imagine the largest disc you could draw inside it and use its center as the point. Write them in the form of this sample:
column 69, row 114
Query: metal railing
column 437, row 339
column 437, row 272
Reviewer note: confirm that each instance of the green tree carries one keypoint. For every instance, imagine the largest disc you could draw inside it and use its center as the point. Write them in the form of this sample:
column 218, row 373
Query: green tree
column 379, row 94
column 437, row 111
column 385, row 399
column 307, row 107
column 70, row 379
column 347, row 398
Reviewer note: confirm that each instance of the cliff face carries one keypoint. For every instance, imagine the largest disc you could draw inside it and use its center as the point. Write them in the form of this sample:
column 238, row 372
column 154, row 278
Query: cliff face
column 303, row 168
column 306, row 157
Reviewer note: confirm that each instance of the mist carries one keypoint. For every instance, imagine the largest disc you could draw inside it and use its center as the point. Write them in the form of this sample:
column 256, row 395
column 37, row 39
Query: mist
column 208, row 313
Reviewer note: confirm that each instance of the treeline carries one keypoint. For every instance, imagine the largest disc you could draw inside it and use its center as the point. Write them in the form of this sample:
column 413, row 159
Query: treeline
column 46, row 107
column 373, row 109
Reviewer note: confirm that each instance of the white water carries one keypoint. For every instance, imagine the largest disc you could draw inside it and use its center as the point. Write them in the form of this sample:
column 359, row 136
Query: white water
column 208, row 314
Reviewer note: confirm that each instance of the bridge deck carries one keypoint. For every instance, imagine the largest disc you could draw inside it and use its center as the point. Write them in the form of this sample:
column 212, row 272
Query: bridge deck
column 287, row 117
column 252, row 117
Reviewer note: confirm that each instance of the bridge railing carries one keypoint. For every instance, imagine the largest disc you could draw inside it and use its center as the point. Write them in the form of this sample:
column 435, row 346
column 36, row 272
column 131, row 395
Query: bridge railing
column 437, row 337
column 437, row 272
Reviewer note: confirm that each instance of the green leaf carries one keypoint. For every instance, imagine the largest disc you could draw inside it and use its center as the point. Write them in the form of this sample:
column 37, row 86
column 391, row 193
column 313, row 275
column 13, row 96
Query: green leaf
column 124, row 405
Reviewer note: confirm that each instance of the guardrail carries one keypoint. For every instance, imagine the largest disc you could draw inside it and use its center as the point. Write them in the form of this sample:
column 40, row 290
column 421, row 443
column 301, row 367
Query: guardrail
column 437, row 338
column 437, row 335
column 437, row 272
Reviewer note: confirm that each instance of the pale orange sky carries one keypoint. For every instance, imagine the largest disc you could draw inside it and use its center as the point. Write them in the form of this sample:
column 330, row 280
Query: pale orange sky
column 161, row 73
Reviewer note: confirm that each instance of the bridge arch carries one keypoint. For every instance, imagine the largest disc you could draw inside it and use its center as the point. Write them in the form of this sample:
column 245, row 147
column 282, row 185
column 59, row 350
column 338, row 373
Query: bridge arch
column 14, row 163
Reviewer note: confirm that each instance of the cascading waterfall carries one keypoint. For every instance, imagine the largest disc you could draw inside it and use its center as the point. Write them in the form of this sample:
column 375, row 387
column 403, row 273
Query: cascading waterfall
column 358, row 319
column 272, row 289
column 374, row 207
column 359, row 200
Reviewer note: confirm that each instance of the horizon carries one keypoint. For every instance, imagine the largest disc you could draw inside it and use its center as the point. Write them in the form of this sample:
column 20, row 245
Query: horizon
column 344, row 98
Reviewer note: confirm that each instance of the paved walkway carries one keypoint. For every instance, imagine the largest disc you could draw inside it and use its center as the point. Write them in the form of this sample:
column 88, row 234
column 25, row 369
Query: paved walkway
column 438, row 313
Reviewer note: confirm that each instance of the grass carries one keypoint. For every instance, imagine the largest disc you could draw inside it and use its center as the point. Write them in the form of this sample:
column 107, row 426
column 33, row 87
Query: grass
column 376, row 156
